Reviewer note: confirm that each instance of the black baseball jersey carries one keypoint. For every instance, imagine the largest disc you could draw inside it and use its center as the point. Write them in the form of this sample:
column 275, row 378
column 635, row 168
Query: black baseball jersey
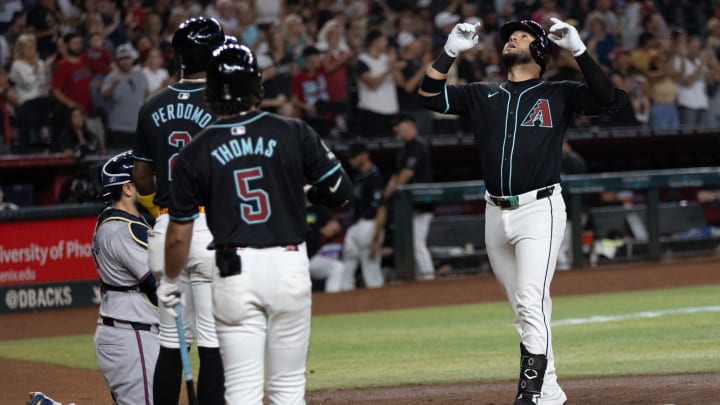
column 249, row 173
column 415, row 155
column 519, row 128
column 166, row 123
column 367, row 194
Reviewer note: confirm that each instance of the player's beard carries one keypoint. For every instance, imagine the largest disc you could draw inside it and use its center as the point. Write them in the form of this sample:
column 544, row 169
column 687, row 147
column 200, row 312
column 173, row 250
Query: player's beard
column 511, row 59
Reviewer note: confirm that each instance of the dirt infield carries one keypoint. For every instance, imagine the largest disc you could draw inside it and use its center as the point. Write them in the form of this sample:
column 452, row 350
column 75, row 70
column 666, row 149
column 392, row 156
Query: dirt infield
column 86, row 387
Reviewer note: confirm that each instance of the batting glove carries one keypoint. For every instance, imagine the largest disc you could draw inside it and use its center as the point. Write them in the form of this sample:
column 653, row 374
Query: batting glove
column 168, row 293
column 568, row 37
column 462, row 37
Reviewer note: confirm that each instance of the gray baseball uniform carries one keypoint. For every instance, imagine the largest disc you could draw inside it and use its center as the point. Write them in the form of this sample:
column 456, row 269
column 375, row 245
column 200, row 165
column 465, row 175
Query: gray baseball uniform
column 126, row 339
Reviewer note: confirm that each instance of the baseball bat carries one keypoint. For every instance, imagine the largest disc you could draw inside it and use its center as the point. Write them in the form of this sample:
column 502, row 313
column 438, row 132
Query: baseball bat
column 184, row 356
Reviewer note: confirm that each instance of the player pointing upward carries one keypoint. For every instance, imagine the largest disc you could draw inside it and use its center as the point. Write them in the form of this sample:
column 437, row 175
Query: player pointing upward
column 519, row 126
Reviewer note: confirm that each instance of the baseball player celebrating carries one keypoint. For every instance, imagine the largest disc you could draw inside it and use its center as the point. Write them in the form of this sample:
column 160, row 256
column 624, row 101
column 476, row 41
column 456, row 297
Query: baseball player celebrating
column 249, row 170
column 126, row 338
column 519, row 127
column 167, row 123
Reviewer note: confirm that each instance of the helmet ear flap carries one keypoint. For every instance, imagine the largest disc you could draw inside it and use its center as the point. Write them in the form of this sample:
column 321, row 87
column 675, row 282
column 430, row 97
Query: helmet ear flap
column 540, row 52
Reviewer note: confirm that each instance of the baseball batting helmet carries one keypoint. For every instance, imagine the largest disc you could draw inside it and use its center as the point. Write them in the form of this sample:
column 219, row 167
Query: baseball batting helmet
column 193, row 42
column 233, row 75
column 116, row 172
column 539, row 48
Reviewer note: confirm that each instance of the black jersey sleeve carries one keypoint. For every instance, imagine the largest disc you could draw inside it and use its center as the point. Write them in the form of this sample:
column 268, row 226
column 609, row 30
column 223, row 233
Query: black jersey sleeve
column 185, row 190
column 411, row 156
column 331, row 186
column 142, row 150
column 452, row 100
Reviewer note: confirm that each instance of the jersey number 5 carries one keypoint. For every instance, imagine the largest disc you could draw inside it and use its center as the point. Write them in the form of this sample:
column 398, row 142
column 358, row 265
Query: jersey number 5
column 177, row 139
column 255, row 207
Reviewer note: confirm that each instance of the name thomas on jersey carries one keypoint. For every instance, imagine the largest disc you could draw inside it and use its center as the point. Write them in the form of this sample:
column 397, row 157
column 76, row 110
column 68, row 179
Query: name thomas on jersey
column 236, row 148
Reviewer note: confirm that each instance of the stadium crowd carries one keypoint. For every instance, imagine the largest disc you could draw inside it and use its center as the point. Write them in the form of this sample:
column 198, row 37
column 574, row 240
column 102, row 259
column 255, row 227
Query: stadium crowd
column 75, row 72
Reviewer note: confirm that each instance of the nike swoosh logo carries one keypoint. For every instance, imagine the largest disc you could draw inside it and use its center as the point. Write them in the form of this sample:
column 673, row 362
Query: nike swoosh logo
column 334, row 188
column 490, row 95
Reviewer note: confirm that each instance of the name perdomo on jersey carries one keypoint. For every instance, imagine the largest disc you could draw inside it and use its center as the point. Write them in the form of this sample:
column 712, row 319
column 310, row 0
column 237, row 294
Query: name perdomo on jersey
column 181, row 111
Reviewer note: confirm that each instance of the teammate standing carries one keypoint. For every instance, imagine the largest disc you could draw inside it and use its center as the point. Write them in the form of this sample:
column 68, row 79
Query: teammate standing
column 167, row 123
column 126, row 339
column 414, row 165
column 519, row 127
column 248, row 169
column 365, row 229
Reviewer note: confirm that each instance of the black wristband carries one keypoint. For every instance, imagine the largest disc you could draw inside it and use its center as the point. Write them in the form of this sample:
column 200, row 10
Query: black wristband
column 432, row 86
column 443, row 63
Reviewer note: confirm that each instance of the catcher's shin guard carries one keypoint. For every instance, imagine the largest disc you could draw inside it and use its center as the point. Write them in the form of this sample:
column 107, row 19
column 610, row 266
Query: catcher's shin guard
column 532, row 373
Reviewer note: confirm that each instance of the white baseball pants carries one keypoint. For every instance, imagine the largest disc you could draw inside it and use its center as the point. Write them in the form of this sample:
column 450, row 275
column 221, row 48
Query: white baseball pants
column 263, row 324
column 523, row 245
column 356, row 250
column 195, row 285
column 425, row 270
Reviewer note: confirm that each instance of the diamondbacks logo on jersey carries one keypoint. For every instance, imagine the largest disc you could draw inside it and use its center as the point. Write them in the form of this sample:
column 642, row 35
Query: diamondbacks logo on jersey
column 539, row 115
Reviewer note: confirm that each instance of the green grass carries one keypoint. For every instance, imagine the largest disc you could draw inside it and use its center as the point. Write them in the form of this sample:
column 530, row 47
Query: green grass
column 479, row 342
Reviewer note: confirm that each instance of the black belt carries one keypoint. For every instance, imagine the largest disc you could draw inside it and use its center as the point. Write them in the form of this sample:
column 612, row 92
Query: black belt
column 107, row 287
column 513, row 201
column 107, row 321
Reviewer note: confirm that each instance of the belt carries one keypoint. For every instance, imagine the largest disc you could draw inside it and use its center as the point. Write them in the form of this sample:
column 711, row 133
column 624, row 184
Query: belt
column 165, row 210
column 107, row 321
column 512, row 202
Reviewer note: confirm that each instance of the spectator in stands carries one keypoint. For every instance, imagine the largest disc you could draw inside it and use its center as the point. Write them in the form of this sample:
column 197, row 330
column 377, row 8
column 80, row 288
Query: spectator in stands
column 8, row 101
column 99, row 61
column 156, row 75
column 112, row 20
column 44, row 21
column 278, row 67
column 77, row 140
column 323, row 249
column 646, row 50
column 309, row 93
column 634, row 83
column 630, row 27
column 600, row 42
column 125, row 90
column 377, row 96
column 444, row 22
column 336, row 63
column 296, row 36
column 71, row 85
column 663, row 93
column 17, row 26
column 416, row 60
column 364, row 231
column 414, row 165
column 692, row 67
column 29, row 76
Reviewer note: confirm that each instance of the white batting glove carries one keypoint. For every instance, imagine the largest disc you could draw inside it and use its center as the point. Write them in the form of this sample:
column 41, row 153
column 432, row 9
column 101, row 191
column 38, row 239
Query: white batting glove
column 462, row 37
column 168, row 293
column 568, row 39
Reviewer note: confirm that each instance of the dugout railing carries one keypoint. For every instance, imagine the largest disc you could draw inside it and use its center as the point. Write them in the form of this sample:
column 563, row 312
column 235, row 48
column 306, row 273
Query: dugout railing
column 575, row 186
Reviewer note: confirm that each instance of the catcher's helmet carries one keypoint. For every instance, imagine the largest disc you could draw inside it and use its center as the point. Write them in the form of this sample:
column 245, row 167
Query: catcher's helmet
column 116, row 172
column 233, row 75
column 193, row 42
column 539, row 48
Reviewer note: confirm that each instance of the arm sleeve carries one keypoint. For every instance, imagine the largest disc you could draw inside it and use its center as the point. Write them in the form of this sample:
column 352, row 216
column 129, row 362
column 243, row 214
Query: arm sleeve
column 331, row 186
column 601, row 88
column 452, row 100
column 143, row 149
column 184, row 189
